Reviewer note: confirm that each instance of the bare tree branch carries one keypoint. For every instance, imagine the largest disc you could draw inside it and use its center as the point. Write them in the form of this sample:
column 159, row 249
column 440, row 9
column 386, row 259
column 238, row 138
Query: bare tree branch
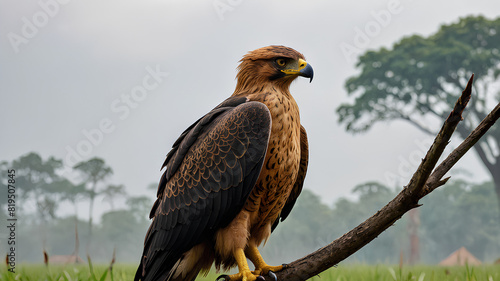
column 480, row 151
column 460, row 151
column 421, row 184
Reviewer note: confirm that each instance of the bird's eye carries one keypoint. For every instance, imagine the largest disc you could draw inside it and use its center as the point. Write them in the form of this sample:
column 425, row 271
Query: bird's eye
column 281, row 62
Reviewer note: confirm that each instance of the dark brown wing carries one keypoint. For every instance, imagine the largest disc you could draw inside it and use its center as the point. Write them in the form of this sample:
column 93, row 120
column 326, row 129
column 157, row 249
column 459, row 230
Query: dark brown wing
column 209, row 174
column 299, row 182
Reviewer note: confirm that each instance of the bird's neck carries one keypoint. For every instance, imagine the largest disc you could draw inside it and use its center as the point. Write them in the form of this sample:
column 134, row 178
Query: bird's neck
column 245, row 87
column 277, row 99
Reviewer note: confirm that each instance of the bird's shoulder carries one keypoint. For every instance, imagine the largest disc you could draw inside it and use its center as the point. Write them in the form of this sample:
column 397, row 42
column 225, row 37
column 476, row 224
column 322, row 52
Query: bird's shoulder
column 187, row 138
column 214, row 130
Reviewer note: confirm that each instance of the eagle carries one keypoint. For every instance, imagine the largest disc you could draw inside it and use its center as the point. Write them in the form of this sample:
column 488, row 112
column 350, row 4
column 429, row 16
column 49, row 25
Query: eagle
column 231, row 177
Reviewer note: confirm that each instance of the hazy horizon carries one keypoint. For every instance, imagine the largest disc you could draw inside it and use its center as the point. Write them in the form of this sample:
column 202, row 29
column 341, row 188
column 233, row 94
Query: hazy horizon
column 121, row 80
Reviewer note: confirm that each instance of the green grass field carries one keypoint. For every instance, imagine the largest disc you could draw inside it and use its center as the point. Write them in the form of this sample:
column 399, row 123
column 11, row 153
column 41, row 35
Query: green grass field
column 123, row 272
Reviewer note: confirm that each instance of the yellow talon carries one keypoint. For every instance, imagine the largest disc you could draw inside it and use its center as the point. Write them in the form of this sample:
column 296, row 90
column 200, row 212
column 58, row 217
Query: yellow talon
column 260, row 265
column 248, row 276
column 245, row 274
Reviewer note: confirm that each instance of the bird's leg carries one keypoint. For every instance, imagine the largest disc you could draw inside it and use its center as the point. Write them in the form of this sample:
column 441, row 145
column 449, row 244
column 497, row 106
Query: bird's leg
column 241, row 260
column 244, row 274
column 261, row 267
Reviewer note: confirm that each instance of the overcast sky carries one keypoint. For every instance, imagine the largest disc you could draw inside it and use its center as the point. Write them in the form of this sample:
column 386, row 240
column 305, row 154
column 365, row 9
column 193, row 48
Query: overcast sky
column 122, row 79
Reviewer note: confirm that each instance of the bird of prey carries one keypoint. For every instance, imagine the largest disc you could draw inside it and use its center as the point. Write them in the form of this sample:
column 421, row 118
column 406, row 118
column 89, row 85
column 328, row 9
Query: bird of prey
column 231, row 176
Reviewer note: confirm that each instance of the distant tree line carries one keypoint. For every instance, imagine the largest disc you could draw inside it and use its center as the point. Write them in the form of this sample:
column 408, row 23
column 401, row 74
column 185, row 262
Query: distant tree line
column 43, row 186
column 460, row 214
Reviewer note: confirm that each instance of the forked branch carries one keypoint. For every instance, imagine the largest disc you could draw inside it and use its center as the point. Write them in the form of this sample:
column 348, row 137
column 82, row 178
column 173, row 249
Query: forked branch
column 423, row 182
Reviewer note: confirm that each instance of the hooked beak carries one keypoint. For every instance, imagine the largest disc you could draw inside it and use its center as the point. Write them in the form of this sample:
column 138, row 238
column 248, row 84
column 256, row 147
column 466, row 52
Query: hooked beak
column 307, row 71
column 304, row 69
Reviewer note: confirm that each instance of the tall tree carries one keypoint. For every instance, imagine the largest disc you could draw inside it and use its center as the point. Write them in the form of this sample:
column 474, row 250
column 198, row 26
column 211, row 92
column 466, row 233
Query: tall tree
column 37, row 181
column 93, row 172
column 140, row 207
column 111, row 192
column 72, row 193
column 420, row 77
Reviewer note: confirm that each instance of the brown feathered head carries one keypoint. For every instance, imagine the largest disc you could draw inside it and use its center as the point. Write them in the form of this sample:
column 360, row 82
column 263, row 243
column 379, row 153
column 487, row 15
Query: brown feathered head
column 279, row 65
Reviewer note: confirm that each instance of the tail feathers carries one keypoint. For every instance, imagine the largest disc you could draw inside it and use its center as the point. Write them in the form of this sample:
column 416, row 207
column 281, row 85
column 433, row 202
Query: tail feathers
column 157, row 269
column 185, row 268
column 138, row 273
column 181, row 272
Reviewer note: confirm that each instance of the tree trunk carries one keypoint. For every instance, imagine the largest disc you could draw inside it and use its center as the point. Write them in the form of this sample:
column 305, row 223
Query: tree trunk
column 494, row 170
column 493, row 167
column 91, row 212
column 77, row 242
column 413, row 226
column 75, row 207
column 496, row 182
